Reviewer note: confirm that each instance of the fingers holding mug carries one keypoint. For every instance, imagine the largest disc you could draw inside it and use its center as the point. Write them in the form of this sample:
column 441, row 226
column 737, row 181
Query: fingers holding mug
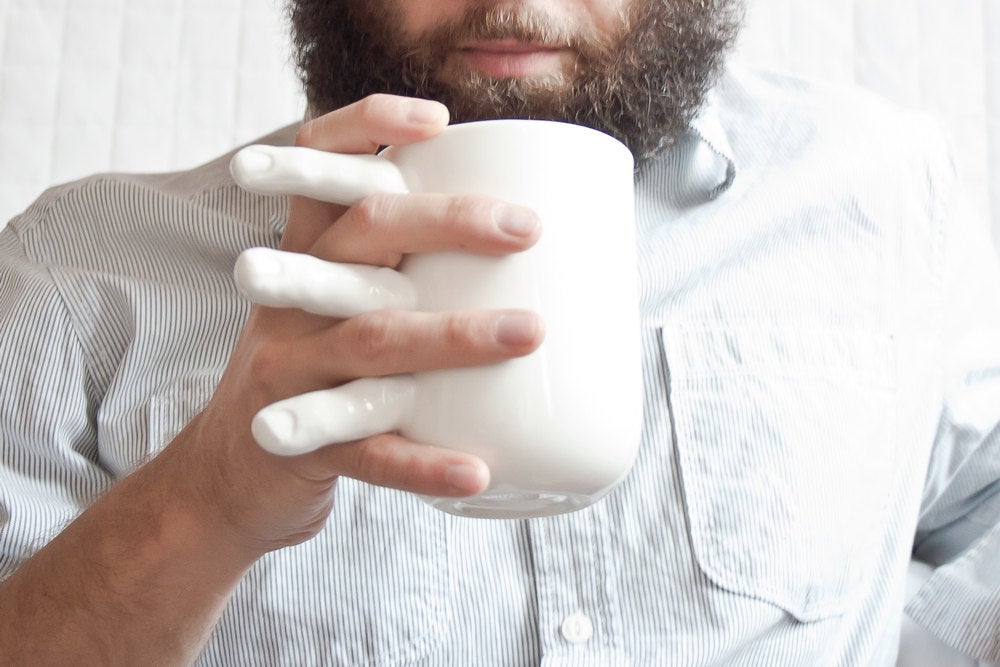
column 377, row 120
column 383, row 349
column 552, row 442
column 384, row 227
column 388, row 342
column 359, row 128
column 393, row 461
column 357, row 131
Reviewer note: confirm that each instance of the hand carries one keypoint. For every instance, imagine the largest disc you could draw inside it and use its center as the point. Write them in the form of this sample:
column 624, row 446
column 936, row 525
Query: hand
column 263, row 501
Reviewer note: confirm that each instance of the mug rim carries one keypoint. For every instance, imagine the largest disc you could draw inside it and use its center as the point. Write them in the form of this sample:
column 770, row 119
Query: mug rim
column 563, row 126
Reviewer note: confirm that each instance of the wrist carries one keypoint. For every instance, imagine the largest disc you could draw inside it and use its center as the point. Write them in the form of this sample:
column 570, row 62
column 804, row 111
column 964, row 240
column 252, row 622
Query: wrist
column 141, row 577
column 198, row 517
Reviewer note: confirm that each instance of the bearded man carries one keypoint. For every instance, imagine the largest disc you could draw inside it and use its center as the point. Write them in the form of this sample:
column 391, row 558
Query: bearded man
column 819, row 349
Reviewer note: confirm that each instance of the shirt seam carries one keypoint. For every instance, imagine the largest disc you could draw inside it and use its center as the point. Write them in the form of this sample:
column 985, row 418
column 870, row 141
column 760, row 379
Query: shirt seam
column 63, row 302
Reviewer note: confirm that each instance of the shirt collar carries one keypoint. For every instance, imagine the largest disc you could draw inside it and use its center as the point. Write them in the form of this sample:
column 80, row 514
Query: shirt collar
column 698, row 166
column 714, row 162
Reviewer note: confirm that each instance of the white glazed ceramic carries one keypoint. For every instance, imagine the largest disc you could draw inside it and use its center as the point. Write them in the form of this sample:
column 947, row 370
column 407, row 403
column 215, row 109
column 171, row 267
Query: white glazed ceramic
column 558, row 428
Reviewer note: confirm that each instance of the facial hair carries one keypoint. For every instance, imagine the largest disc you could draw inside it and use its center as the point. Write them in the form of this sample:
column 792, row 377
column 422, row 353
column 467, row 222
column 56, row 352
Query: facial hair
column 643, row 84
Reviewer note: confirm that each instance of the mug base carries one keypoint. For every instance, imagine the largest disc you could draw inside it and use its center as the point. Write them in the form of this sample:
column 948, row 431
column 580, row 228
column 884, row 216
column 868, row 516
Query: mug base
column 511, row 505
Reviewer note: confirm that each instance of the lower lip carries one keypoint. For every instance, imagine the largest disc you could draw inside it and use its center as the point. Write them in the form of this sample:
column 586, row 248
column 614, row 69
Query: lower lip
column 513, row 64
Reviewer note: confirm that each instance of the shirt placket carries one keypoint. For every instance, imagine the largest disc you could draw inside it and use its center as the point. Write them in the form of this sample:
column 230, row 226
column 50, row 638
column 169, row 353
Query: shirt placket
column 577, row 624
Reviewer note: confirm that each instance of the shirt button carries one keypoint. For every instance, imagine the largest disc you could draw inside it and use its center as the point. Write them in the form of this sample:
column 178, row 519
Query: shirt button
column 577, row 628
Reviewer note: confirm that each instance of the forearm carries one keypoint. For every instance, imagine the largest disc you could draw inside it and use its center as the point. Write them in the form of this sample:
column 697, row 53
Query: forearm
column 139, row 578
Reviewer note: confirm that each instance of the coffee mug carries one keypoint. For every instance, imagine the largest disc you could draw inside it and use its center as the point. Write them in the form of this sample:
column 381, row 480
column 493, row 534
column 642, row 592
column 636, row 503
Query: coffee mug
column 557, row 428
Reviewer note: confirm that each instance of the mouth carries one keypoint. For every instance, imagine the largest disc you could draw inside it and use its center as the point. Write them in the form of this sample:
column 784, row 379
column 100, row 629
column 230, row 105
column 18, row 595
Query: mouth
column 513, row 59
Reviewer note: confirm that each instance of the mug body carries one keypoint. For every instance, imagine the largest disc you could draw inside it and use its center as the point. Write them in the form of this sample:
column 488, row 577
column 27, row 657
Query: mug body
column 561, row 426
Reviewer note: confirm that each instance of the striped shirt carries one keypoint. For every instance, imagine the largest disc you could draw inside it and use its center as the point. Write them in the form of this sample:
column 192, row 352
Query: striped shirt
column 822, row 392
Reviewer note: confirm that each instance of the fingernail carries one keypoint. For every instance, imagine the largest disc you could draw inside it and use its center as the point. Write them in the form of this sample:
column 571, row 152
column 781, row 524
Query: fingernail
column 467, row 478
column 517, row 329
column 515, row 220
column 425, row 112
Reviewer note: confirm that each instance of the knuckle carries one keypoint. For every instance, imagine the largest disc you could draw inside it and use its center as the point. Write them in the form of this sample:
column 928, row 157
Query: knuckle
column 371, row 463
column 305, row 134
column 265, row 364
column 368, row 213
column 469, row 211
column 264, row 360
column 372, row 108
column 460, row 332
column 366, row 223
column 373, row 337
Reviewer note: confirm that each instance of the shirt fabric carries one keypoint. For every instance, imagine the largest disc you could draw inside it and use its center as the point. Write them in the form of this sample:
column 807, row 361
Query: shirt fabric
column 820, row 322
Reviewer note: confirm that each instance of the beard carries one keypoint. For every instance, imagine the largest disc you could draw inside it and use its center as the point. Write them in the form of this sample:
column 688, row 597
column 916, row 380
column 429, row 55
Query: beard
column 643, row 84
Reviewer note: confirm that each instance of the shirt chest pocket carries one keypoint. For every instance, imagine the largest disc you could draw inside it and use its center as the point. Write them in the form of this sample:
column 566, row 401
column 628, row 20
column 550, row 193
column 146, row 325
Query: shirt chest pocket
column 785, row 446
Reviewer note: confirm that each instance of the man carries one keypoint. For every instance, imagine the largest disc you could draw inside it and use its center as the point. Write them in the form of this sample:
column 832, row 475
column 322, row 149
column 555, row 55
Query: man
column 820, row 379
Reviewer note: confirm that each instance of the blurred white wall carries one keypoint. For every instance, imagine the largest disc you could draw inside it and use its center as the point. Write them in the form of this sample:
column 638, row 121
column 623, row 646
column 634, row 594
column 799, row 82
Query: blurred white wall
column 134, row 85
column 941, row 57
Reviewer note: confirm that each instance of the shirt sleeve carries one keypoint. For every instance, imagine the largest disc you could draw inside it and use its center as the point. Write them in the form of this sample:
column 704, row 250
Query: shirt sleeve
column 959, row 525
column 49, row 468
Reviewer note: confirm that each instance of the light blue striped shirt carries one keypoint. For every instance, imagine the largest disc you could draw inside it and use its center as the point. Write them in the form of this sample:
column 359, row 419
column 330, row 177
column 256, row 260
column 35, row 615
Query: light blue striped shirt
column 821, row 322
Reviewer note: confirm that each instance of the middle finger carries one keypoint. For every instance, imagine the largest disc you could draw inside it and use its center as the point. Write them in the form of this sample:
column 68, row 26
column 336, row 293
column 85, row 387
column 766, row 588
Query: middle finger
column 382, row 228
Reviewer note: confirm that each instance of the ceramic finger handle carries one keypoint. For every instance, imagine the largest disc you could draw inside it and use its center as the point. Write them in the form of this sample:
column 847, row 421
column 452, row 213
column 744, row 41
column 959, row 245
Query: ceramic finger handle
column 350, row 412
column 295, row 280
column 356, row 410
column 331, row 177
column 275, row 278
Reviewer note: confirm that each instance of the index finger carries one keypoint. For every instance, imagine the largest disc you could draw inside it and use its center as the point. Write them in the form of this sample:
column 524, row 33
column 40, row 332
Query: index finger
column 377, row 120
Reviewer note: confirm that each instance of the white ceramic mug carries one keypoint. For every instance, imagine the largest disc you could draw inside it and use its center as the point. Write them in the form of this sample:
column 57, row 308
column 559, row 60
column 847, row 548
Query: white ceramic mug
column 557, row 428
